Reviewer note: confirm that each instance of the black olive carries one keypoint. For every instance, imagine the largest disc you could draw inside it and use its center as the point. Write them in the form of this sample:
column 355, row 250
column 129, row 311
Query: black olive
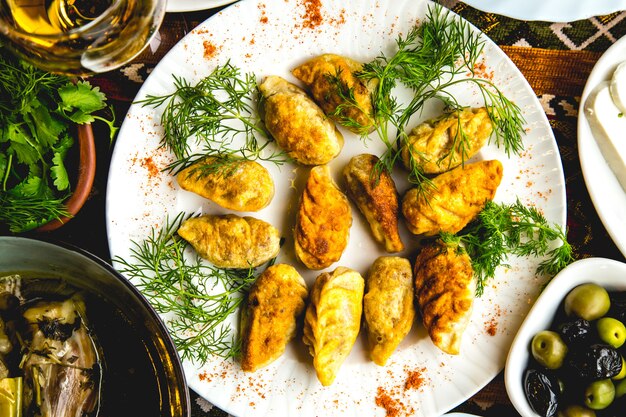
column 575, row 331
column 594, row 362
column 542, row 392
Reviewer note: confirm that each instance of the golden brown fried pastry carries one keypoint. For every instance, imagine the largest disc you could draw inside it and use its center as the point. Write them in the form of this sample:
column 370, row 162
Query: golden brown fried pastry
column 269, row 315
column 333, row 320
column 377, row 199
column 444, row 289
column 459, row 195
column 388, row 306
column 299, row 126
column 237, row 185
column 230, row 241
column 437, row 146
column 323, row 221
column 330, row 79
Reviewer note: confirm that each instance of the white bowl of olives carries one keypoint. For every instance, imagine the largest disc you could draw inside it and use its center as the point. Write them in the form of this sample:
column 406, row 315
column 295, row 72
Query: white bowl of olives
column 567, row 359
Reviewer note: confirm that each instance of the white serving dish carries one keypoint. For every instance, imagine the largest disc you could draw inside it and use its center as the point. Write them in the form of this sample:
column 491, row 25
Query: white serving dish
column 608, row 273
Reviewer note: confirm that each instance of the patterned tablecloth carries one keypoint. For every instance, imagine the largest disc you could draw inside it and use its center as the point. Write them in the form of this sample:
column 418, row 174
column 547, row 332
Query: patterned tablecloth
column 556, row 58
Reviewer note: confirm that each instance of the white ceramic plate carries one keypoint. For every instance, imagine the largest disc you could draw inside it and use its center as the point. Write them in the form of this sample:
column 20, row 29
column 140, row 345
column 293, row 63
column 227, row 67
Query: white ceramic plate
column 605, row 190
column 606, row 272
column 268, row 37
column 549, row 10
column 194, row 5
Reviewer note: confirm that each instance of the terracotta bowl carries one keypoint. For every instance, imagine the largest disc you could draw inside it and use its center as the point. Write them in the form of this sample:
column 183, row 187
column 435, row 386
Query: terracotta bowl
column 86, row 175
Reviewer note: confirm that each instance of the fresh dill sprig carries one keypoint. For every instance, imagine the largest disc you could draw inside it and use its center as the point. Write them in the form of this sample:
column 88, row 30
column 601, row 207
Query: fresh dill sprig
column 502, row 230
column 212, row 114
column 25, row 212
column 430, row 60
column 214, row 163
column 198, row 296
column 349, row 112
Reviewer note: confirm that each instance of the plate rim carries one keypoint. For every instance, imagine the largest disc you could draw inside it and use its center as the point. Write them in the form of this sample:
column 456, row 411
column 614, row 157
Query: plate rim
column 562, row 203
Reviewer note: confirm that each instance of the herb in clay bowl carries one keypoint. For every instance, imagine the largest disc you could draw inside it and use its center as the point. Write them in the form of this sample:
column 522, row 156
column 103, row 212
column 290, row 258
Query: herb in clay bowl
column 38, row 113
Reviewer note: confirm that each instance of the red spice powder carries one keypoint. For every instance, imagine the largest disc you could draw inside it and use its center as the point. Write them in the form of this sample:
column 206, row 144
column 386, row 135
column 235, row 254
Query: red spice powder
column 391, row 399
column 209, row 49
column 263, row 18
column 414, row 379
column 312, row 16
column 338, row 21
column 384, row 400
column 481, row 71
column 149, row 164
column 491, row 326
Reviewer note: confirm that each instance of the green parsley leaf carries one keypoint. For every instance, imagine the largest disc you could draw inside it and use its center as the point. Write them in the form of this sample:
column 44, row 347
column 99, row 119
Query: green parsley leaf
column 47, row 128
column 59, row 173
column 19, row 145
column 81, row 96
column 80, row 117
column 32, row 186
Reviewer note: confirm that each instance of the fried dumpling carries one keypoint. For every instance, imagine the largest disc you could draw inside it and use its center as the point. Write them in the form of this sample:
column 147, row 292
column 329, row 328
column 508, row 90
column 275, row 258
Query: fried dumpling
column 388, row 306
column 235, row 184
column 333, row 320
column 444, row 289
column 457, row 198
column 297, row 124
column 330, row 78
column 230, row 241
column 376, row 198
column 269, row 315
column 437, row 145
column 323, row 221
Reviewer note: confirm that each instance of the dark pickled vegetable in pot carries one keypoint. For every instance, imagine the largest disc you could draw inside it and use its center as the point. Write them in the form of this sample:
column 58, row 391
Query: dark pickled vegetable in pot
column 597, row 361
column 575, row 331
column 542, row 392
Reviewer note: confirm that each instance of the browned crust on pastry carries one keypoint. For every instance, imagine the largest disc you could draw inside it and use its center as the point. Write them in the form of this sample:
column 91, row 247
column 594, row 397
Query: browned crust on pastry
column 318, row 74
column 269, row 316
column 457, row 198
column 444, row 290
column 323, row 221
column 376, row 198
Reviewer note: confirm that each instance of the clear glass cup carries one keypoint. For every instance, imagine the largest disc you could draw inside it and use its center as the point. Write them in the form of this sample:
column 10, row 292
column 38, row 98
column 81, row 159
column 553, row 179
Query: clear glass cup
column 79, row 37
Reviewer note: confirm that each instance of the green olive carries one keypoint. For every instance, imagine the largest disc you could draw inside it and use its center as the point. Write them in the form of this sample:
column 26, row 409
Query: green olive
column 611, row 331
column 599, row 394
column 620, row 388
column 576, row 410
column 549, row 349
column 622, row 373
column 587, row 301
